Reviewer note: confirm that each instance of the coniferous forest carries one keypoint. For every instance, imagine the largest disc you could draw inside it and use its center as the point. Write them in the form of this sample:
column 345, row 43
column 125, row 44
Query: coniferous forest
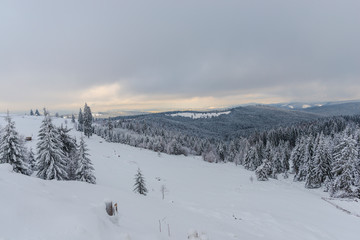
column 320, row 153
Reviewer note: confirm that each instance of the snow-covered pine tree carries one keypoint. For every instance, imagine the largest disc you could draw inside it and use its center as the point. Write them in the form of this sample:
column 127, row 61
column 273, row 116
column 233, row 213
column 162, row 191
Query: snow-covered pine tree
column 259, row 149
column 296, row 155
column 31, row 160
column 322, row 162
column 232, row 151
column 284, row 149
column 31, row 113
column 251, row 157
column 221, row 149
column 50, row 160
column 139, row 185
column 69, row 149
column 209, row 156
column 11, row 150
column 72, row 118
column 306, row 160
column 88, row 120
column 243, row 149
column 85, row 169
column 263, row 171
column 277, row 159
column 37, row 113
column 344, row 168
column 80, row 121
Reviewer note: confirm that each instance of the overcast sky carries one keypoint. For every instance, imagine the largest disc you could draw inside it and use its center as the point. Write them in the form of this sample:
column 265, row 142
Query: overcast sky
column 175, row 54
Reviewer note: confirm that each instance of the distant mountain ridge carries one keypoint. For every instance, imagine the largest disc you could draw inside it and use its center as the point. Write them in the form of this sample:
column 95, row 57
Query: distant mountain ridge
column 244, row 120
column 351, row 108
column 237, row 121
column 324, row 108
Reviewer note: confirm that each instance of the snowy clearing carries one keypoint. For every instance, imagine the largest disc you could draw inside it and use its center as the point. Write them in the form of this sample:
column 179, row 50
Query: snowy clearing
column 213, row 201
column 194, row 115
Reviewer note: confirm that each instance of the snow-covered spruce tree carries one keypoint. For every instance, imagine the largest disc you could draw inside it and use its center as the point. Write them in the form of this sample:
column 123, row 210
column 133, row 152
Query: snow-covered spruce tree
column 232, row 151
column 250, row 157
column 37, row 113
column 11, row 150
column 221, row 150
column 277, row 159
column 31, row 160
column 263, row 171
column 88, row 120
column 345, row 168
column 306, row 160
column 139, row 186
column 210, row 156
column 80, row 121
column 31, row 113
column 50, row 160
column 70, row 151
column 296, row 156
column 284, row 150
column 85, row 169
column 72, row 118
column 321, row 168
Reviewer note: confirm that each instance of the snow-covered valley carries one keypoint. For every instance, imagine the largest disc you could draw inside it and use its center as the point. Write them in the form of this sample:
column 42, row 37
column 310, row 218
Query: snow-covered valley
column 219, row 201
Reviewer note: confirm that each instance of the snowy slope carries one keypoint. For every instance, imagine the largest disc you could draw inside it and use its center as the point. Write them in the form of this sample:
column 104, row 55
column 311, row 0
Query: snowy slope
column 218, row 200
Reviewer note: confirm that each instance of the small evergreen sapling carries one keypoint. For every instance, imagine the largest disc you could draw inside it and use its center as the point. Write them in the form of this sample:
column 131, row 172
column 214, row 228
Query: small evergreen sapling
column 139, row 185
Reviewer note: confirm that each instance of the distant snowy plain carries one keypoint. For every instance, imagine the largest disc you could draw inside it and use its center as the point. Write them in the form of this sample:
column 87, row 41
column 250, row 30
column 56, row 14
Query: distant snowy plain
column 218, row 201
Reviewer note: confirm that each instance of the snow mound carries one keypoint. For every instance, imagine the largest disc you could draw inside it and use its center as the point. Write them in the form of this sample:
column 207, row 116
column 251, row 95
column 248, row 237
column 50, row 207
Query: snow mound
column 6, row 167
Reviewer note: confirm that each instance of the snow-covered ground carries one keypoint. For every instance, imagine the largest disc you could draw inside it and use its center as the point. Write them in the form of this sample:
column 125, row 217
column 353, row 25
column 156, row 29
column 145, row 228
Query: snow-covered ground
column 217, row 200
column 194, row 115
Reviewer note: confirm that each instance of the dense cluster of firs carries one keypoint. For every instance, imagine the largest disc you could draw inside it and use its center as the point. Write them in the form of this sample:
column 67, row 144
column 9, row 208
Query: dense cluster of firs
column 58, row 156
column 322, row 153
column 85, row 121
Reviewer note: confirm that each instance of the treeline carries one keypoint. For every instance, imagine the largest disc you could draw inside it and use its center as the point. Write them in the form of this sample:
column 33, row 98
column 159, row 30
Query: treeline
column 152, row 136
column 321, row 153
column 58, row 155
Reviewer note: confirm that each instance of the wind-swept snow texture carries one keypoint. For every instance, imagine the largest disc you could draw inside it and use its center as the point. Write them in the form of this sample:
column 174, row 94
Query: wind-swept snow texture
column 213, row 201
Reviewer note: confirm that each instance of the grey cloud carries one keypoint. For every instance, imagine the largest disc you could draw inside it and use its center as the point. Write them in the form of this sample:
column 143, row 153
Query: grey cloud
column 184, row 48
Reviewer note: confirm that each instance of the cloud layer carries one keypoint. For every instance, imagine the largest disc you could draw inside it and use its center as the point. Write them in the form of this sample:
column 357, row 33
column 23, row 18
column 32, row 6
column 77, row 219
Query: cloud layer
column 172, row 54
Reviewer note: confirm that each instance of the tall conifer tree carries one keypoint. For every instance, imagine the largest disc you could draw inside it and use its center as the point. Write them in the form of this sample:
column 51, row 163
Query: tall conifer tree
column 88, row 119
column 51, row 161
column 85, row 169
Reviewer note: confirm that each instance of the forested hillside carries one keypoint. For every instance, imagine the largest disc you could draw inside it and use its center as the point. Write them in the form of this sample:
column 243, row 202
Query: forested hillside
column 240, row 121
column 321, row 153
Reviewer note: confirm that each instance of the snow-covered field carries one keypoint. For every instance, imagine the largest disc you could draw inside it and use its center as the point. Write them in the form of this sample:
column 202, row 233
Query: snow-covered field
column 217, row 200
column 199, row 115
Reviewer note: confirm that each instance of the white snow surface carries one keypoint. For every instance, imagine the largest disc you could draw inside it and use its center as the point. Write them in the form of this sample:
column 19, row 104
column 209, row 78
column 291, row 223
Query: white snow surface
column 195, row 115
column 211, row 201
column 306, row 106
